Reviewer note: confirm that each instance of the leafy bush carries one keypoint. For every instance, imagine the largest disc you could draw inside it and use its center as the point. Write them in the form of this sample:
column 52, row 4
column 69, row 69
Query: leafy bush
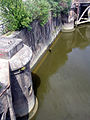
column 58, row 6
column 66, row 6
column 17, row 14
column 38, row 9
column 44, row 11
column 14, row 14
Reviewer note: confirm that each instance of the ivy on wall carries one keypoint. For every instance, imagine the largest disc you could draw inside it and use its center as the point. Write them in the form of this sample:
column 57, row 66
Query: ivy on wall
column 17, row 14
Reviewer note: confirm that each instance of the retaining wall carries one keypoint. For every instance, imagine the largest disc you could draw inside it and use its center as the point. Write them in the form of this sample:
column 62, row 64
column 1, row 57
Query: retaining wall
column 40, row 37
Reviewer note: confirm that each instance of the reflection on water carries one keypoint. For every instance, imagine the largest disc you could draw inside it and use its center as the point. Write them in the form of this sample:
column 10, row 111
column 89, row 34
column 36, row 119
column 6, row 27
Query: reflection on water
column 64, row 91
column 63, row 79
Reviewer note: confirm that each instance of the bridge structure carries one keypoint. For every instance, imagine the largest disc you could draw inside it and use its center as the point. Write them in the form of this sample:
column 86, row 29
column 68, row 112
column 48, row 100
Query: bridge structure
column 80, row 12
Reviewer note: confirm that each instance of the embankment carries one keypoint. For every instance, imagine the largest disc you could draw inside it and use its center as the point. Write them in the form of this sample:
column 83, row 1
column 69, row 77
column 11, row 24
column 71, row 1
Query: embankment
column 39, row 38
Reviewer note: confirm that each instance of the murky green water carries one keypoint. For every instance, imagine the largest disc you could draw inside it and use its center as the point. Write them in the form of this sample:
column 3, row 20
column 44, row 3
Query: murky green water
column 63, row 78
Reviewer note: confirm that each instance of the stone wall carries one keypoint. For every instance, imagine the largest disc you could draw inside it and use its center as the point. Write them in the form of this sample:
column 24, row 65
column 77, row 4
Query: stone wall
column 40, row 37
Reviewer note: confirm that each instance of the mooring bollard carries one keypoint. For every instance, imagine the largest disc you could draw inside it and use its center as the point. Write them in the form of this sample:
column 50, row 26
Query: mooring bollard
column 19, row 57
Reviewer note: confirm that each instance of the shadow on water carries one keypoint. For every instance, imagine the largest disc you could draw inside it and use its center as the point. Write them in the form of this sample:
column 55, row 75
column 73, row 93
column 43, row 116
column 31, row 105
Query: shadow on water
column 56, row 59
column 36, row 82
column 58, row 55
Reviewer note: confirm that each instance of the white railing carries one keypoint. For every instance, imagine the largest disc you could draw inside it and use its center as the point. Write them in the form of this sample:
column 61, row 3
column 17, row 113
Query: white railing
column 87, row 20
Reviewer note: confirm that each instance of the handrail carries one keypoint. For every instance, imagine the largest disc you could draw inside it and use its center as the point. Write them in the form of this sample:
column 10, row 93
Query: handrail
column 83, row 13
column 81, row 2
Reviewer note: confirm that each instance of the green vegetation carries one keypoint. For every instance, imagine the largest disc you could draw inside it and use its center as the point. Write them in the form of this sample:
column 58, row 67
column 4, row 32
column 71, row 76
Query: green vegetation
column 58, row 6
column 0, row 86
column 14, row 14
column 17, row 14
column 38, row 9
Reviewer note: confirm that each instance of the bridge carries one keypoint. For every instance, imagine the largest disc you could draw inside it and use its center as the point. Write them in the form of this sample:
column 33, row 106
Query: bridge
column 80, row 12
column 81, row 1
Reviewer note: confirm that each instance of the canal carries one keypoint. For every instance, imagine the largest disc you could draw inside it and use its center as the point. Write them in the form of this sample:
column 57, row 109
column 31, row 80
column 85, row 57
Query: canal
column 62, row 78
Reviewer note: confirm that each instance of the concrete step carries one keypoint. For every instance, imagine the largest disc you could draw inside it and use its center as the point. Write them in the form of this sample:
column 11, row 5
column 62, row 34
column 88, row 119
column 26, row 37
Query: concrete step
column 9, row 47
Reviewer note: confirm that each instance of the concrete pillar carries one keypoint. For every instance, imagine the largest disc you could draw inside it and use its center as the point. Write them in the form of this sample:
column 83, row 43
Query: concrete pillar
column 21, row 82
column 19, row 56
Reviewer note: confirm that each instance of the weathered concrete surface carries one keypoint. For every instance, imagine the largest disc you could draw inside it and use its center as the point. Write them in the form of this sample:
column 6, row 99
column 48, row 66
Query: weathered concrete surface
column 21, row 58
column 21, row 82
column 5, row 92
column 3, row 107
column 39, row 38
column 68, row 27
column 18, row 86
column 9, row 47
column 4, row 72
column 22, row 91
column 4, row 83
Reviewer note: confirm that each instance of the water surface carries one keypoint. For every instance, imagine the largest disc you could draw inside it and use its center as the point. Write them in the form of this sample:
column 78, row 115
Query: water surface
column 63, row 78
